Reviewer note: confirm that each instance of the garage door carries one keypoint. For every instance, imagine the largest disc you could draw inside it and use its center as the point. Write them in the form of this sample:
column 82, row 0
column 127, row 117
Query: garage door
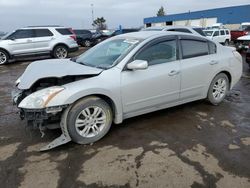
column 196, row 22
column 181, row 22
column 210, row 21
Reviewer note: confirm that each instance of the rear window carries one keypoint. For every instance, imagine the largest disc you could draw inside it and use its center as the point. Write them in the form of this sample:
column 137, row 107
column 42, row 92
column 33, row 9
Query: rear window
column 64, row 31
column 43, row 33
column 194, row 48
column 79, row 32
column 200, row 31
column 227, row 32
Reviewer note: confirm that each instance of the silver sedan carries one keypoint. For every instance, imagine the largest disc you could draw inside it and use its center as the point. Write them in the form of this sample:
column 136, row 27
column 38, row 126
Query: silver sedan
column 122, row 77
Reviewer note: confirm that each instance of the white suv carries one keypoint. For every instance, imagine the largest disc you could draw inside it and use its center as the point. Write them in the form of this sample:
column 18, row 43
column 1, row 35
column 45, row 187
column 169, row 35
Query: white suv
column 44, row 40
column 222, row 36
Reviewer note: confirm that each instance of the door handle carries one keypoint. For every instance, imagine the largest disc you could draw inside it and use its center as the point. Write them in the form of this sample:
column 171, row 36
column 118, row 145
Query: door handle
column 173, row 72
column 213, row 62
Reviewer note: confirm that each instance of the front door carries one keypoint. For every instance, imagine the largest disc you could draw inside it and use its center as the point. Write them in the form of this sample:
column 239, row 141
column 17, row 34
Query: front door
column 21, row 41
column 158, row 85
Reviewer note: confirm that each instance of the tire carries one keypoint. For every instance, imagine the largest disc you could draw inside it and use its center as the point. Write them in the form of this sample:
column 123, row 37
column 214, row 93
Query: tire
column 87, row 43
column 218, row 89
column 226, row 43
column 4, row 57
column 60, row 52
column 87, row 130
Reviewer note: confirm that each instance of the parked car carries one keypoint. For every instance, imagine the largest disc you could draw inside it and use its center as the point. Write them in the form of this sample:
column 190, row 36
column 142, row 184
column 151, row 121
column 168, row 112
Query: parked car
column 122, row 77
column 84, row 37
column 222, row 36
column 100, row 36
column 39, row 40
column 124, row 31
column 184, row 29
column 242, row 31
column 242, row 43
column 248, row 56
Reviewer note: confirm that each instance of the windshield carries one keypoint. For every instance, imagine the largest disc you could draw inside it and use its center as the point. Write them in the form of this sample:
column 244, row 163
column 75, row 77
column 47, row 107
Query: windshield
column 107, row 54
column 209, row 33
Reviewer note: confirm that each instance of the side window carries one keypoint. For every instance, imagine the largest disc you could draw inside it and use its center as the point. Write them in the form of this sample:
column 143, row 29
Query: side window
column 162, row 52
column 43, row 33
column 22, row 34
column 216, row 33
column 222, row 32
column 227, row 32
column 194, row 48
column 64, row 31
column 212, row 48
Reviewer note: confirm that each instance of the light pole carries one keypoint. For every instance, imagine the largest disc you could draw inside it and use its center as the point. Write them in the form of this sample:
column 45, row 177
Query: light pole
column 92, row 10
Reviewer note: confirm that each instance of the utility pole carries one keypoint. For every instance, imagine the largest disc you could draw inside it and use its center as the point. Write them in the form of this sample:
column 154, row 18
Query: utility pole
column 92, row 10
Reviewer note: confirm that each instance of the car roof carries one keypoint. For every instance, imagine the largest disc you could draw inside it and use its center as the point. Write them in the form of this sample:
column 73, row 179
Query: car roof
column 43, row 27
column 172, row 27
column 149, row 34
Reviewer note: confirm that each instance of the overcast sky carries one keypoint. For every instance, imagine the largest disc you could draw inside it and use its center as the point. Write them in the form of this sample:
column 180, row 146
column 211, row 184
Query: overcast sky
column 77, row 13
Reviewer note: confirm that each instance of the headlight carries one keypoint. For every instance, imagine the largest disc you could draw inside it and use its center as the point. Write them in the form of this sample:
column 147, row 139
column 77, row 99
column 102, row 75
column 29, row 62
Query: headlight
column 41, row 98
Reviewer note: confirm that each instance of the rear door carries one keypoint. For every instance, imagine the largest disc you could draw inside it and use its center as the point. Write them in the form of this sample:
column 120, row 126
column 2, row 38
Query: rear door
column 159, row 84
column 21, row 41
column 197, row 67
column 42, row 40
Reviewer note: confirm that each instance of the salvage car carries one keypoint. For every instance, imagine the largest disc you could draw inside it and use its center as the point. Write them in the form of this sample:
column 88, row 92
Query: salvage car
column 122, row 77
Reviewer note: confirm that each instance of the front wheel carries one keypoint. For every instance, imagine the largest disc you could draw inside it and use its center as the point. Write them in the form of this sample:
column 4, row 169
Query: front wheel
column 60, row 52
column 218, row 89
column 89, row 120
column 4, row 58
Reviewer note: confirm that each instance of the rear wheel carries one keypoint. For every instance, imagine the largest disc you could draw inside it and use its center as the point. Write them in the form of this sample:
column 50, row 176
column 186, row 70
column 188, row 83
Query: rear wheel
column 60, row 52
column 89, row 120
column 218, row 89
column 4, row 57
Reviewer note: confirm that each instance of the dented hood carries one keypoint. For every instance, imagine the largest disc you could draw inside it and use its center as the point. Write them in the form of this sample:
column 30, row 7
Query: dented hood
column 54, row 68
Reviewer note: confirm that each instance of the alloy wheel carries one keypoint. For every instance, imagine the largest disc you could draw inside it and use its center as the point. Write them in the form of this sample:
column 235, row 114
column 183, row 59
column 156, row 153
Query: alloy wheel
column 90, row 122
column 61, row 53
column 3, row 58
column 220, row 89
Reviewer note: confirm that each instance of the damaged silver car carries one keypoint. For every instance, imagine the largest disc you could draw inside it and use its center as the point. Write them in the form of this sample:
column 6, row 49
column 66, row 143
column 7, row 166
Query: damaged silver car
column 122, row 77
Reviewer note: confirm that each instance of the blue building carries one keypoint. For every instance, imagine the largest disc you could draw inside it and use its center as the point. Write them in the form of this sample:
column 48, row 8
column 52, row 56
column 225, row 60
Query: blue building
column 231, row 17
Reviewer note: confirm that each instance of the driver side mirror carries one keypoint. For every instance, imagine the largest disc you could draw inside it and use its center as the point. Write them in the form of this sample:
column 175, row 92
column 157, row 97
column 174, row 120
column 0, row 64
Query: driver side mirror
column 137, row 65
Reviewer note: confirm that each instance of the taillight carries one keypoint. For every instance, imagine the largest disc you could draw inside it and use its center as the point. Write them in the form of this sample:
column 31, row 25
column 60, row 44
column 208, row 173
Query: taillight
column 74, row 35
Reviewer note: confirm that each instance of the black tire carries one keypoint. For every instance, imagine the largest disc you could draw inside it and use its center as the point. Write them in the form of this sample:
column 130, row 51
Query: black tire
column 226, row 43
column 60, row 52
column 76, row 111
column 87, row 43
column 211, row 92
column 4, row 57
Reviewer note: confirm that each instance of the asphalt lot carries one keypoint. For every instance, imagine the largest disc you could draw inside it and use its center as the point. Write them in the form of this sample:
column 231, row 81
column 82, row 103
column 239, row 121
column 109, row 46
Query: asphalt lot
column 195, row 144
